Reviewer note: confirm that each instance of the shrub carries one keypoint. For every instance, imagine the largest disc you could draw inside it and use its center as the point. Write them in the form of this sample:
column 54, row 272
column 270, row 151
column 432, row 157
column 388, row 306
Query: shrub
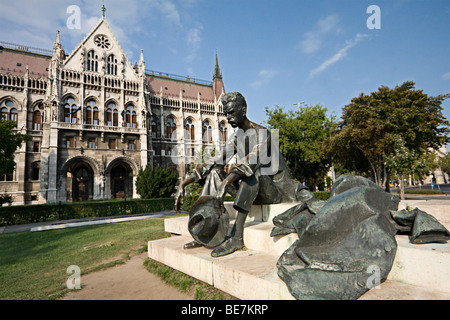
column 322, row 195
column 48, row 212
column 156, row 182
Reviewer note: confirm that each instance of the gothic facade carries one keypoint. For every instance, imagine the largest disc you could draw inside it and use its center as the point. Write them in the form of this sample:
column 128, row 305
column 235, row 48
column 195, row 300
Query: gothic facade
column 96, row 120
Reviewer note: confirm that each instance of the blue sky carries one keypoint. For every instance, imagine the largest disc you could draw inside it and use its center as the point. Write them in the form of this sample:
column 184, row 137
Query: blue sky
column 274, row 52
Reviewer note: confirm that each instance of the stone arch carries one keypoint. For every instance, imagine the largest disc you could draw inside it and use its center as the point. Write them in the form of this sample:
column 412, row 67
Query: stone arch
column 118, row 187
column 91, row 161
column 95, row 177
column 18, row 105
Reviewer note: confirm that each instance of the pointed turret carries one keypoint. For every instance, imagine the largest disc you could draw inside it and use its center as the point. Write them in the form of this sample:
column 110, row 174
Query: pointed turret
column 218, row 87
column 217, row 73
column 58, row 51
column 142, row 64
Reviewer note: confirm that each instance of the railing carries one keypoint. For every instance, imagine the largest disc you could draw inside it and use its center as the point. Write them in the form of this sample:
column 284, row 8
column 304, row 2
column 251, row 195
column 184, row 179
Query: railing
column 16, row 46
column 93, row 127
column 177, row 77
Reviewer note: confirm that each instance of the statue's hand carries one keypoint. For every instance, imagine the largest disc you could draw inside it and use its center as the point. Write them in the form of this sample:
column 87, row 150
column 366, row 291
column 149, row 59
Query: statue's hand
column 179, row 197
column 221, row 190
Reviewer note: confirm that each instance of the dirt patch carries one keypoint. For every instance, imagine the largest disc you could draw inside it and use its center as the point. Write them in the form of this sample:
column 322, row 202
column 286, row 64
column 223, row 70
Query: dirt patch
column 129, row 281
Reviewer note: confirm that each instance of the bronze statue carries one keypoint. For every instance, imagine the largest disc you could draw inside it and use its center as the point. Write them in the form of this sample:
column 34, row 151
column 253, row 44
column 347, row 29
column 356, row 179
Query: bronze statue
column 259, row 175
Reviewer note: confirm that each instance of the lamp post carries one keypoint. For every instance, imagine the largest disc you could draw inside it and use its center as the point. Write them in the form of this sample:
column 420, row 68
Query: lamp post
column 299, row 104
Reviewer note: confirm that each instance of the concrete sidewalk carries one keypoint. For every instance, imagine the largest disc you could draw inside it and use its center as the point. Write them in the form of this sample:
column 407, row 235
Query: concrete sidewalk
column 60, row 224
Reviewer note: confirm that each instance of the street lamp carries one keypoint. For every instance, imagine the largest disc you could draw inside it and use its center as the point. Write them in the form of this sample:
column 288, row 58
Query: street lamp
column 299, row 104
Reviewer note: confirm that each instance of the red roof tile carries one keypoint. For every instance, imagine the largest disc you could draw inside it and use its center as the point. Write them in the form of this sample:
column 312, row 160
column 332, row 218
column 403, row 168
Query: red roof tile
column 172, row 87
column 37, row 63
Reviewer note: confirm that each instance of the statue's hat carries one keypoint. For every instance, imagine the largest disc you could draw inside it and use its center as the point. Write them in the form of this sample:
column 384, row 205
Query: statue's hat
column 209, row 221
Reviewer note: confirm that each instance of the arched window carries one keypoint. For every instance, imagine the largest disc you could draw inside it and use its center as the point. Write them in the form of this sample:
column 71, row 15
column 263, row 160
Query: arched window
column 95, row 116
column 111, row 65
column 171, row 127
column 70, row 111
column 190, row 129
column 35, row 168
column 13, row 115
column 112, row 115
column 9, row 112
column 92, row 61
column 154, row 128
column 4, row 113
column 37, row 120
column 115, row 118
column 130, row 120
column 223, row 131
column 207, row 131
column 91, row 112
column 88, row 115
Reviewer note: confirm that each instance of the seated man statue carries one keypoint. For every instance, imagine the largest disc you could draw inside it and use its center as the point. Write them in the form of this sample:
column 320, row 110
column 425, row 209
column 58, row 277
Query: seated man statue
column 259, row 173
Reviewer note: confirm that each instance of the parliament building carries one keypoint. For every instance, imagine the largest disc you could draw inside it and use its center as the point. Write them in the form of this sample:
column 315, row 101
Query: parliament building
column 95, row 119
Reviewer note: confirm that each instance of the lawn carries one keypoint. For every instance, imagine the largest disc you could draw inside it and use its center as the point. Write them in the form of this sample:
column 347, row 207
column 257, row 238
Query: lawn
column 33, row 265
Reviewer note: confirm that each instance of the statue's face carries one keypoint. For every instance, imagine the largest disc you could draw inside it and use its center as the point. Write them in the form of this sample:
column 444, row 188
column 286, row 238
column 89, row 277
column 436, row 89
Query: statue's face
column 235, row 114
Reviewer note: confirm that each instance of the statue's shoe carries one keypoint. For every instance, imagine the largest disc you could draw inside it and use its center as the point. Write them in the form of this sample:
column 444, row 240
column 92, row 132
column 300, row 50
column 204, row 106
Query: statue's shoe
column 229, row 246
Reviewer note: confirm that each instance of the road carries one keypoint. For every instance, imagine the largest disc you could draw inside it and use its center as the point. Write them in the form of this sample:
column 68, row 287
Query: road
column 445, row 188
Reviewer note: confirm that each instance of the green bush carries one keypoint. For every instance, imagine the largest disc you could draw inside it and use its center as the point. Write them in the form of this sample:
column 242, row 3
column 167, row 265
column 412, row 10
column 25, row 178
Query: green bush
column 156, row 182
column 77, row 210
column 422, row 191
column 322, row 195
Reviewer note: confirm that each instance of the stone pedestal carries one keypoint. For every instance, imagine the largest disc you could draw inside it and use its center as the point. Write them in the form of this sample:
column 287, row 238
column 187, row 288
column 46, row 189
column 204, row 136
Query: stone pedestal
column 251, row 274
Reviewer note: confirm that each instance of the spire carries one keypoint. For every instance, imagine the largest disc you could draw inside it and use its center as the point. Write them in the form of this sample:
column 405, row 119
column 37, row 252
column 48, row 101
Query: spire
column 57, row 44
column 142, row 63
column 58, row 51
column 217, row 73
column 218, row 87
column 103, row 10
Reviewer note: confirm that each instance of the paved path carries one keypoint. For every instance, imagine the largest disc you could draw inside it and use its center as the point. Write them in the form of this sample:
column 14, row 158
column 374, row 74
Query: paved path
column 48, row 225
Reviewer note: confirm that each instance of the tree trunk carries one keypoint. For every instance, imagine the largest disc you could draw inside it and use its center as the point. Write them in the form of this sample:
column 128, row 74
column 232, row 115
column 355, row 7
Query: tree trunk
column 402, row 187
column 386, row 177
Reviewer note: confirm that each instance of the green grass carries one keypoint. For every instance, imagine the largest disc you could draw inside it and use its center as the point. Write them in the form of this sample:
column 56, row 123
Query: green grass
column 33, row 265
column 185, row 283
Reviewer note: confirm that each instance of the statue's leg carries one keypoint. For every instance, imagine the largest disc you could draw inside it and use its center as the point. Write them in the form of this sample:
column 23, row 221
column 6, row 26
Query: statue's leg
column 192, row 244
column 234, row 243
column 209, row 188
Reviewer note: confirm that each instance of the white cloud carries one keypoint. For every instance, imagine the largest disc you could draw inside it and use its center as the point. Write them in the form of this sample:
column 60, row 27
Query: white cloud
column 193, row 40
column 34, row 23
column 312, row 40
column 169, row 11
column 339, row 55
column 446, row 76
column 263, row 77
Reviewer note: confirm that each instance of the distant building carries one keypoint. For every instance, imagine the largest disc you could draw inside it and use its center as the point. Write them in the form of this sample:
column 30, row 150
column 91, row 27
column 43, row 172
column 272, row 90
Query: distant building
column 438, row 176
column 95, row 119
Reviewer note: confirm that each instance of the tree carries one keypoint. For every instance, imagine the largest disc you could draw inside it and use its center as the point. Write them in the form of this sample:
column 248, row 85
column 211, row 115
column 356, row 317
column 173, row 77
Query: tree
column 371, row 123
column 9, row 142
column 156, row 182
column 403, row 161
column 301, row 137
column 444, row 163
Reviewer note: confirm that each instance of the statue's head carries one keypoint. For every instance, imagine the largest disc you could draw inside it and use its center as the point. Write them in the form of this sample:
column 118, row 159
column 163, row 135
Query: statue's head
column 234, row 108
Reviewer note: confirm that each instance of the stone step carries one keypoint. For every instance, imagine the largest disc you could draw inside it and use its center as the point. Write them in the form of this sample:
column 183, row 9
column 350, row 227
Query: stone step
column 256, row 235
column 426, row 265
column 252, row 275
column 245, row 274
column 264, row 213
